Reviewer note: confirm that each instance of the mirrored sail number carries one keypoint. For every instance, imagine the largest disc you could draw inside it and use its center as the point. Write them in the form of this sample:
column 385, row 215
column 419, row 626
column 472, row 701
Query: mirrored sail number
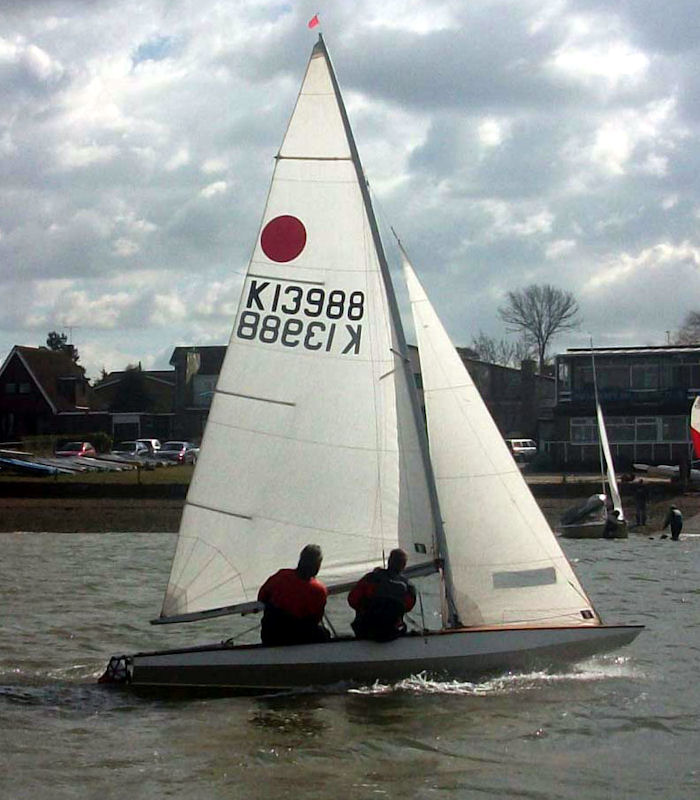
column 302, row 316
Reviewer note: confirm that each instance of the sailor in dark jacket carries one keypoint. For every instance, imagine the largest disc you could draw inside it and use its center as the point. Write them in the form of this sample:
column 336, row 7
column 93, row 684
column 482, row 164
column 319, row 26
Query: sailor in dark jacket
column 674, row 518
column 380, row 600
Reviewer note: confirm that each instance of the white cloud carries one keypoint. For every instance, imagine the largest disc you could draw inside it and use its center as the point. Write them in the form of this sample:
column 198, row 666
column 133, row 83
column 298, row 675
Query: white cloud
column 70, row 155
column 559, row 248
column 506, row 142
column 607, row 64
column 639, row 267
column 218, row 187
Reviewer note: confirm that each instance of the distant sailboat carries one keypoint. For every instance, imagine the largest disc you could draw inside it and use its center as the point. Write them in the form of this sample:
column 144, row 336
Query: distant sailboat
column 672, row 471
column 695, row 426
column 315, row 435
column 602, row 515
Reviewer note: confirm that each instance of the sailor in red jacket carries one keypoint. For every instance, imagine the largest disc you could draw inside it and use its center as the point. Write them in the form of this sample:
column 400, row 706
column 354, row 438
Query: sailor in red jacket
column 294, row 602
column 380, row 600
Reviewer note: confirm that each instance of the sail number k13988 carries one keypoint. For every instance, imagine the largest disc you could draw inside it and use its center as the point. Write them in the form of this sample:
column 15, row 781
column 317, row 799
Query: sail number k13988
column 296, row 316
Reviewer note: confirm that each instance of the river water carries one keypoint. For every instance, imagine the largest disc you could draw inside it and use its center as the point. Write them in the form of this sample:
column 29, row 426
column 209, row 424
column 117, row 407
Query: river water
column 625, row 725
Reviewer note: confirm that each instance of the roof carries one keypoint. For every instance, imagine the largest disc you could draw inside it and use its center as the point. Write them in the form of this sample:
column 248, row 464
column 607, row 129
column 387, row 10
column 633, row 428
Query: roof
column 46, row 367
column 631, row 351
column 113, row 378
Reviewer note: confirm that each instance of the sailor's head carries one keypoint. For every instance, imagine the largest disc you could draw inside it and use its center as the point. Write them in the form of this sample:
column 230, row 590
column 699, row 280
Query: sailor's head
column 397, row 560
column 310, row 560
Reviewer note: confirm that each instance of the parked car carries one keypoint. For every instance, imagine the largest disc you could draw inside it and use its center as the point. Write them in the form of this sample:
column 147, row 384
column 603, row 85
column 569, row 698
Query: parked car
column 182, row 452
column 152, row 444
column 522, row 449
column 75, row 449
column 132, row 449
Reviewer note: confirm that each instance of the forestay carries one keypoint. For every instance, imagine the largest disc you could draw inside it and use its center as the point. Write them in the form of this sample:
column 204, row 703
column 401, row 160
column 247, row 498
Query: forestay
column 507, row 567
column 302, row 442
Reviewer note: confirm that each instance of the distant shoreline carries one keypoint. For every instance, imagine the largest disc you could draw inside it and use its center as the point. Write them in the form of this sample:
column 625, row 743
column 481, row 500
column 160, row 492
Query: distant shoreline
column 35, row 506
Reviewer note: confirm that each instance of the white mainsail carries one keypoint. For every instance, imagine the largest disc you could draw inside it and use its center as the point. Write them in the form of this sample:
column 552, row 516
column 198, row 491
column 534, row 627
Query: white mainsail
column 609, row 464
column 302, row 443
column 507, row 567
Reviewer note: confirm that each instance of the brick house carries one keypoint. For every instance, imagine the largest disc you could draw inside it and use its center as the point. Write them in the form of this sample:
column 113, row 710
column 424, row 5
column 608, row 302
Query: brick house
column 44, row 392
column 147, row 411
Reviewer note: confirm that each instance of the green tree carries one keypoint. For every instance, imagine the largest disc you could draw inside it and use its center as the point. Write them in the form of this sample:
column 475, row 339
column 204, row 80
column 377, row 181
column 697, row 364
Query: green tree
column 540, row 312
column 58, row 342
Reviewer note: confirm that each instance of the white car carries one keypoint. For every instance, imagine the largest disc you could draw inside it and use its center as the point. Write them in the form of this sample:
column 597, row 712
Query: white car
column 522, row 449
column 152, row 444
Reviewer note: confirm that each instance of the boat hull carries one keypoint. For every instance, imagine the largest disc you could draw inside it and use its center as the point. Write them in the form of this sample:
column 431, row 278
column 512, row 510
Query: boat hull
column 460, row 653
column 592, row 530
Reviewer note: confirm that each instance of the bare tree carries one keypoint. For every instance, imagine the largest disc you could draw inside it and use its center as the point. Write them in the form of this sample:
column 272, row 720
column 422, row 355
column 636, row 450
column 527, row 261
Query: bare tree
column 540, row 312
column 501, row 351
column 689, row 332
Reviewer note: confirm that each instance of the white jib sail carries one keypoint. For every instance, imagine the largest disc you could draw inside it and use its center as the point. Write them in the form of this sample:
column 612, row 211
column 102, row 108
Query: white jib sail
column 507, row 567
column 609, row 465
column 301, row 443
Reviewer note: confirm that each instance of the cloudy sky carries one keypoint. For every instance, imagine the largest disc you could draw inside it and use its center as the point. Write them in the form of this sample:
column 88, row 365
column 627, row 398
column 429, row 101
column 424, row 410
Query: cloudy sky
column 509, row 143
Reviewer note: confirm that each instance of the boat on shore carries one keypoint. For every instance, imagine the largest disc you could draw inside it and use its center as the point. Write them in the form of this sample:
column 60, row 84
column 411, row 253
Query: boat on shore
column 601, row 516
column 315, row 434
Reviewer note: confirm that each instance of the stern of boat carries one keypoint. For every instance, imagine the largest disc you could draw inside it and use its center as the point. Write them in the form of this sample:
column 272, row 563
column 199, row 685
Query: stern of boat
column 119, row 671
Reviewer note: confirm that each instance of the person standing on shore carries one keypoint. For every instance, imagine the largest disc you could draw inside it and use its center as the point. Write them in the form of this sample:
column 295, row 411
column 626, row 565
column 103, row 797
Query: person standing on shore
column 641, row 495
column 674, row 518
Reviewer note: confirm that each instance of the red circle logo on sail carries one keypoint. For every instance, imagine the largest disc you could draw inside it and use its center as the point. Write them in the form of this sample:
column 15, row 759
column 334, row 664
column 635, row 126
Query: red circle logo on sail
column 283, row 238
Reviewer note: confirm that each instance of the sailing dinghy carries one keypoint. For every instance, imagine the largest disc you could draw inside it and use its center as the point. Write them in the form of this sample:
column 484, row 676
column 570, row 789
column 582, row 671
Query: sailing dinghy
column 315, row 435
column 673, row 471
column 590, row 519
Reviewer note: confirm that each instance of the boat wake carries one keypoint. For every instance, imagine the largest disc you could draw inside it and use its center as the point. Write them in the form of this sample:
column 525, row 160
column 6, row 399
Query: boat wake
column 599, row 668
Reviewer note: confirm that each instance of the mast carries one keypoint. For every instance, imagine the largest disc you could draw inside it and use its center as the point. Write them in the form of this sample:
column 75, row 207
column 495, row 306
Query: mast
column 597, row 415
column 401, row 340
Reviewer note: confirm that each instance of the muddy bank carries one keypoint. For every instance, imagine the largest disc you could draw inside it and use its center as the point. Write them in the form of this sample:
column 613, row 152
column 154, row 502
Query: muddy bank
column 93, row 508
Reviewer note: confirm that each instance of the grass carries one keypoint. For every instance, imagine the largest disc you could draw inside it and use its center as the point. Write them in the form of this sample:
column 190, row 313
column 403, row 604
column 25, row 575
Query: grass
column 177, row 474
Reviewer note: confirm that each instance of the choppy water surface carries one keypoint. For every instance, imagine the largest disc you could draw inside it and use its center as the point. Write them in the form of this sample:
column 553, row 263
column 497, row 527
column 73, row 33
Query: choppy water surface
column 622, row 726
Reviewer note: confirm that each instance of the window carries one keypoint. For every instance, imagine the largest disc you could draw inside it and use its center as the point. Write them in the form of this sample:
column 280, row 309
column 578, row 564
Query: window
column 646, row 429
column 203, row 390
column 613, row 377
column 674, row 429
column 10, row 388
column 645, row 377
column 583, row 378
column 25, row 388
column 584, row 430
column 620, row 429
column 563, row 376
